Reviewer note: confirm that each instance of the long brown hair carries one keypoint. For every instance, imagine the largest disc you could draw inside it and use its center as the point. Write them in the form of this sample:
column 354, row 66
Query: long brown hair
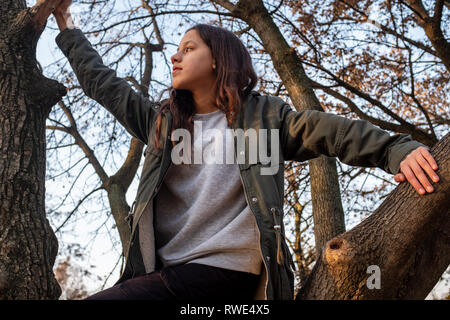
column 235, row 79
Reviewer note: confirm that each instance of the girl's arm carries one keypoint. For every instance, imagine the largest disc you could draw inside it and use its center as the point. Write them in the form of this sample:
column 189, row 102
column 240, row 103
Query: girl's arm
column 134, row 111
column 306, row 135
column 63, row 16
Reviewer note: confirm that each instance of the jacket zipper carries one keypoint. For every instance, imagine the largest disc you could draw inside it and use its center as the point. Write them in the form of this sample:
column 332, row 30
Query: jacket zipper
column 248, row 204
column 130, row 217
column 259, row 236
column 149, row 201
column 155, row 192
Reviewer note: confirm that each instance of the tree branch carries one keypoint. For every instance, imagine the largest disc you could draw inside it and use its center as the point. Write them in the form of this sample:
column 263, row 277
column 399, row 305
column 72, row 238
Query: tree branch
column 390, row 31
column 76, row 208
column 432, row 28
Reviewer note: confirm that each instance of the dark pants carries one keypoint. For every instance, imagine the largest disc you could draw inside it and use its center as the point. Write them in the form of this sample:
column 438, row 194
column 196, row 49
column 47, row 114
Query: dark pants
column 191, row 281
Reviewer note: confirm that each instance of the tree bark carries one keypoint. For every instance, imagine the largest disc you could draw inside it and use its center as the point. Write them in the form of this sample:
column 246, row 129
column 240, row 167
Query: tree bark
column 407, row 237
column 28, row 246
column 328, row 213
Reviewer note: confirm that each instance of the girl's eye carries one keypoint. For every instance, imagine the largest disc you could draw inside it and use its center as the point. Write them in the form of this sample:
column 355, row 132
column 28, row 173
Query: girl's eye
column 187, row 48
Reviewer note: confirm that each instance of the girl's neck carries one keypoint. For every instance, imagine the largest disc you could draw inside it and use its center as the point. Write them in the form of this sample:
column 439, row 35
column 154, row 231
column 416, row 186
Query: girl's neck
column 204, row 101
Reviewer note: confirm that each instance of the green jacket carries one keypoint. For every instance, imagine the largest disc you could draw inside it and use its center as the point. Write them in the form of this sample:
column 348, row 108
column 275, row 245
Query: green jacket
column 303, row 135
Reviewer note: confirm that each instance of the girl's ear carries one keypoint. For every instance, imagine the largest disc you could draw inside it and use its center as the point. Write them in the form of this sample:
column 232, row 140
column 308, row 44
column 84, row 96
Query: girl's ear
column 214, row 64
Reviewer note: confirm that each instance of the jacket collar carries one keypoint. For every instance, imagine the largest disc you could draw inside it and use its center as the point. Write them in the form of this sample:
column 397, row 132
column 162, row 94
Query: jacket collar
column 248, row 101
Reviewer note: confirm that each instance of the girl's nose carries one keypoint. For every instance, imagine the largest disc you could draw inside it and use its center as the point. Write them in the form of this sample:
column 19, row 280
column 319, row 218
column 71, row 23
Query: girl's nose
column 174, row 58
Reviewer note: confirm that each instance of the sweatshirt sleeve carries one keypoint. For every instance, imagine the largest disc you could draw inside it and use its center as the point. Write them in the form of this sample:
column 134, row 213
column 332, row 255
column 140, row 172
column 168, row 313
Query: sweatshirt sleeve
column 133, row 110
column 308, row 134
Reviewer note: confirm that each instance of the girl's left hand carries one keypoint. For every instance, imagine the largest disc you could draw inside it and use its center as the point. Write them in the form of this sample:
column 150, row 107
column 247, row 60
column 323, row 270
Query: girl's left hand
column 412, row 167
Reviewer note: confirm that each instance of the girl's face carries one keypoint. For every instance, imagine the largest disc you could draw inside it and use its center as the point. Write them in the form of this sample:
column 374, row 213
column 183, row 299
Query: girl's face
column 193, row 64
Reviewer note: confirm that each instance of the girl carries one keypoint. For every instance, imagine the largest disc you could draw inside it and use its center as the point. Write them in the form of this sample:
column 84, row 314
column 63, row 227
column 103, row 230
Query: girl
column 215, row 230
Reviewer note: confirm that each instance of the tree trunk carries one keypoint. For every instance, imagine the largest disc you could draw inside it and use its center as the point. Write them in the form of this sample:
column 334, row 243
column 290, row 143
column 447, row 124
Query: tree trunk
column 407, row 238
column 328, row 213
column 28, row 246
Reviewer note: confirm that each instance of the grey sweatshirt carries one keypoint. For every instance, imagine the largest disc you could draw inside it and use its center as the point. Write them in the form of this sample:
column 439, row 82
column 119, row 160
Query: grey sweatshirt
column 201, row 214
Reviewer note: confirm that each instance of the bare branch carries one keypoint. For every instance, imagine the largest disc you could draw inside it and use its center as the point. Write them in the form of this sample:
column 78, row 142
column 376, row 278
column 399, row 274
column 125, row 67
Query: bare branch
column 155, row 15
column 76, row 208
column 389, row 30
